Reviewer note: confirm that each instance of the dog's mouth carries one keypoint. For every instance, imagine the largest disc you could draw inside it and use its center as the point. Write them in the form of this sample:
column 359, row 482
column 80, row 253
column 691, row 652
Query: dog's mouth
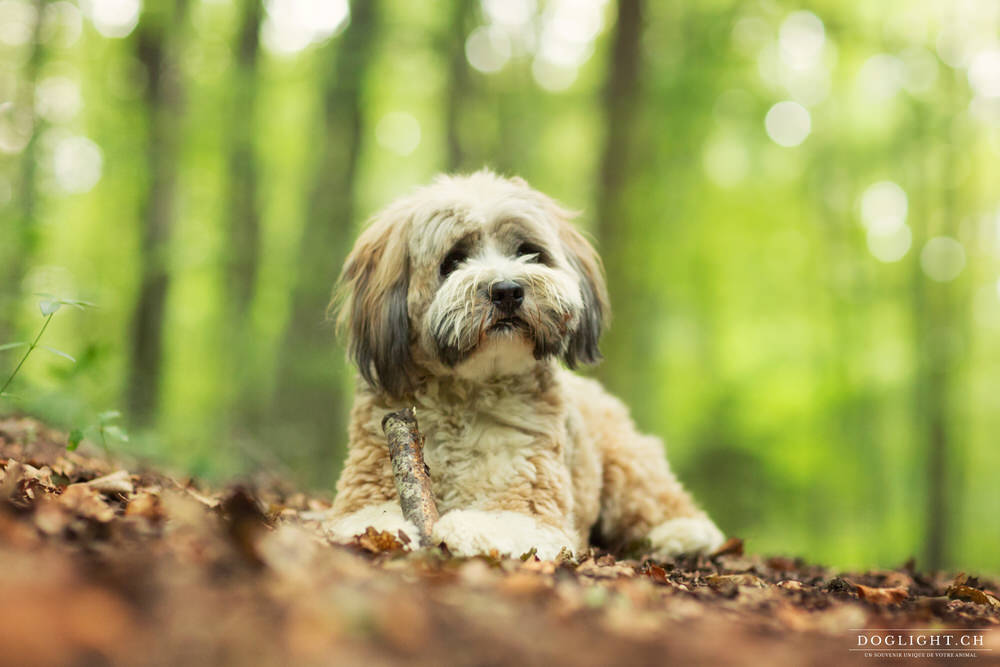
column 512, row 324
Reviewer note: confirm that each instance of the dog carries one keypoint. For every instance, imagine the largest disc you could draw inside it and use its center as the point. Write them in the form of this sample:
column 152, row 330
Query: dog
column 472, row 299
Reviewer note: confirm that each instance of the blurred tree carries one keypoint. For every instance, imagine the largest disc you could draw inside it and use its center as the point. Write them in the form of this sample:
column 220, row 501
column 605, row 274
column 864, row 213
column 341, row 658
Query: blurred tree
column 243, row 213
column 156, row 47
column 459, row 83
column 311, row 397
column 621, row 110
column 937, row 337
column 24, row 234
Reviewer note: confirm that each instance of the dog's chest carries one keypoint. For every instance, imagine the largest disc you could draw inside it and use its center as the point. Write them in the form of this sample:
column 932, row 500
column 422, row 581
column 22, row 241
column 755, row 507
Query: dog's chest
column 476, row 452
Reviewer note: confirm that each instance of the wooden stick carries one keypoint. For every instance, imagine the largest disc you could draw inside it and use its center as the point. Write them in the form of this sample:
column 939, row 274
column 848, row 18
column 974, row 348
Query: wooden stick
column 413, row 478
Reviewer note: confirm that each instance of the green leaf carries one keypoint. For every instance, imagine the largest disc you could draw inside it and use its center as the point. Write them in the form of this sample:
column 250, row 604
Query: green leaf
column 58, row 353
column 116, row 432
column 49, row 307
column 55, row 302
column 11, row 346
column 82, row 305
column 74, row 440
column 108, row 415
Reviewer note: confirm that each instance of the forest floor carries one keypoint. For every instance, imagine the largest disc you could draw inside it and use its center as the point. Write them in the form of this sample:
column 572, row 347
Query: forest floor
column 104, row 565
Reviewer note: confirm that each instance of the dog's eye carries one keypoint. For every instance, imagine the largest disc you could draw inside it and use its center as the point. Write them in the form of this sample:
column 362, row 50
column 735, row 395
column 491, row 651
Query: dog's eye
column 531, row 249
column 451, row 261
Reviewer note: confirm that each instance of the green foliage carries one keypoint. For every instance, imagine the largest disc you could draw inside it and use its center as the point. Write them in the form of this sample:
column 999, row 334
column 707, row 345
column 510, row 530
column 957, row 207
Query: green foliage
column 104, row 431
column 803, row 359
column 49, row 307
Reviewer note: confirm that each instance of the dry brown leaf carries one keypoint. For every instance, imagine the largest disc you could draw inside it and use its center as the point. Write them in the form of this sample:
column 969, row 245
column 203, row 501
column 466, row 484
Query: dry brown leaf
column 656, row 573
column 86, row 502
column 146, row 505
column 52, row 517
column 117, row 482
column 790, row 585
column 883, row 595
column 731, row 547
column 970, row 594
column 378, row 541
column 745, row 580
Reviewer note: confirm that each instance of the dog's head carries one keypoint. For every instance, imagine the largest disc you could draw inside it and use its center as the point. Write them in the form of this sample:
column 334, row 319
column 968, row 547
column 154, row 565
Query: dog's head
column 475, row 276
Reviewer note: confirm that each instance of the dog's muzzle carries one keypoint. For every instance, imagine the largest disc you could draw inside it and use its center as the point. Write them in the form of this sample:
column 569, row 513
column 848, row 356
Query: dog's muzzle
column 507, row 296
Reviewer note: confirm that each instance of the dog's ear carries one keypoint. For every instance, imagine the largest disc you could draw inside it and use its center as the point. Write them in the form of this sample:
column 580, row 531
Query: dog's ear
column 371, row 300
column 596, row 309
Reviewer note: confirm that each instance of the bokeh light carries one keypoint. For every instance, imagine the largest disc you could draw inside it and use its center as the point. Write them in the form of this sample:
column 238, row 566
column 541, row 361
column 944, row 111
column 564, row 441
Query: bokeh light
column 58, row 99
column 62, row 24
column 942, row 258
column 293, row 25
column 750, row 34
column 398, row 132
column 890, row 246
column 113, row 18
column 788, row 123
column 552, row 77
column 15, row 130
column 883, row 207
column 726, row 160
column 17, row 20
column 513, row 13
column 801, row 39
column 881, row 77
column 984, row 73
column 76, row 164
column 487, row 49
column 920, row 70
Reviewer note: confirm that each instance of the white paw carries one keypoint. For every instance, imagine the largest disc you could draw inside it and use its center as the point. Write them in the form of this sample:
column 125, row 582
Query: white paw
column 386, row 516
column 471, row 532
column 689, row 535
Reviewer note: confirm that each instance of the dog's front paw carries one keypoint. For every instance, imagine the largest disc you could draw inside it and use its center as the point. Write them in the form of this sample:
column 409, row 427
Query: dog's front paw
column 386, row 516
column 687, row 535
column 472, row 532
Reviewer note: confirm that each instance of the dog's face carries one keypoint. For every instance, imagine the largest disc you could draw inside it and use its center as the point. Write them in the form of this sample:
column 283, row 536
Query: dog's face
column 475, row 276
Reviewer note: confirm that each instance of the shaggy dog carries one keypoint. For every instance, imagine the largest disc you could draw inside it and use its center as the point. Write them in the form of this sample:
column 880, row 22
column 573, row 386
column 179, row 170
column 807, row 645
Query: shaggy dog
column 462, row 299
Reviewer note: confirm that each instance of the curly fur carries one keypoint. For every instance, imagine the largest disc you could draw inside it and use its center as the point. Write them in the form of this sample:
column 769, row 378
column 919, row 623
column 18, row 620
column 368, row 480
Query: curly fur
column 522, row 452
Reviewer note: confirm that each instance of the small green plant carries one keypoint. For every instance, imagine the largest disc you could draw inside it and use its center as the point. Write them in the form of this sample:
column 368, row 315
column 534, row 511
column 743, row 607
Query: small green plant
column 49, row 307
column 101, row 432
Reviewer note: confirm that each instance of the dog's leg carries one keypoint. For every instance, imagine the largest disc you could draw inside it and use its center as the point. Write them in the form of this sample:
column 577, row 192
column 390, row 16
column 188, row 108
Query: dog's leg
column 385, row 516
column 518, row 509
column 366, row 490
column 641, row 498
column 471, row 532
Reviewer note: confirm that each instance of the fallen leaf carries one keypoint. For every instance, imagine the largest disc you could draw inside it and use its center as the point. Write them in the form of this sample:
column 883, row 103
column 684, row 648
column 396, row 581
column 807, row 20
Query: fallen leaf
column 970, row 594
column 146, row 505
column 656, row 573
column 378, row 541
column 729, row 584
column 731, row 547
column 883, row 595
column 117, row 482
column 86, row 502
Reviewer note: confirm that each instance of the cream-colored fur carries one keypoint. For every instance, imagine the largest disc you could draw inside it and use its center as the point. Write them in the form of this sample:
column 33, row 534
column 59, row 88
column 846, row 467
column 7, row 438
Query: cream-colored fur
column 522, row 452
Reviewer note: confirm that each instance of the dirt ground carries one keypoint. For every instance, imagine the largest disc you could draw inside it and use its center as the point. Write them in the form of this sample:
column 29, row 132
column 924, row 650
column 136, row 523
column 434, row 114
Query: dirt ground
column 104, row 565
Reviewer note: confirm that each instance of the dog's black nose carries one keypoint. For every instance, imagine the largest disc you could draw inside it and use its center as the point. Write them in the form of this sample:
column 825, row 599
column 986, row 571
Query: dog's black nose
column 507, row 296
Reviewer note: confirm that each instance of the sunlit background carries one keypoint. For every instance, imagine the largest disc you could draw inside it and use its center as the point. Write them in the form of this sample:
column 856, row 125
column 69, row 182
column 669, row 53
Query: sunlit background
column 798, row 206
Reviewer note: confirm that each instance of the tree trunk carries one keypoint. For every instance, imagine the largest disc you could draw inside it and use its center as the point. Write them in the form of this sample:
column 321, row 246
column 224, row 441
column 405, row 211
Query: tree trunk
column 244, row 218
column 23, row 237
column 163, row 103
column 243, row 224
column 459, row 83
column 310, row 387
column 621, row 101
